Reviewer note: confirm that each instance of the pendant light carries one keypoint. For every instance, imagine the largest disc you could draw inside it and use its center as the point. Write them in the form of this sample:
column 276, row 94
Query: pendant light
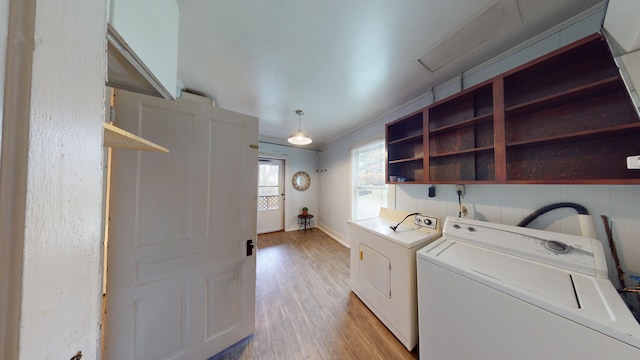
column 299, row 138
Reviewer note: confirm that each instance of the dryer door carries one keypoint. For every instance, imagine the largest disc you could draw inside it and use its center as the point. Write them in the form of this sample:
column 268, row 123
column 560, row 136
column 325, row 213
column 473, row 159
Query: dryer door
column 375, row 268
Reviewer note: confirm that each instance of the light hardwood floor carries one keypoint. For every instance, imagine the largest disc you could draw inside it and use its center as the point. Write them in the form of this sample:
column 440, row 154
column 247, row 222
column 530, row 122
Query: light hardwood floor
column 305, row 308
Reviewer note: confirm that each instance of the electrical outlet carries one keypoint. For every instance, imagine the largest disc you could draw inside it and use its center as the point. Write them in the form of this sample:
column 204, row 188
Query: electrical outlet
column 426, row 221
column 460, row 188
column 633, row 162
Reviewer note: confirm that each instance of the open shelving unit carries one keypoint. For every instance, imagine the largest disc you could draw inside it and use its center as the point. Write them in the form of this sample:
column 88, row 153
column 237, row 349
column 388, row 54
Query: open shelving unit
column 565, row 117
column 461, row 137
column 405, row 148
column 569, row 118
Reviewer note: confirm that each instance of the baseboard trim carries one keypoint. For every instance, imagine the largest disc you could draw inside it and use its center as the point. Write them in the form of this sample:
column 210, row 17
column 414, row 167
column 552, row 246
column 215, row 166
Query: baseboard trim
column 334, row 235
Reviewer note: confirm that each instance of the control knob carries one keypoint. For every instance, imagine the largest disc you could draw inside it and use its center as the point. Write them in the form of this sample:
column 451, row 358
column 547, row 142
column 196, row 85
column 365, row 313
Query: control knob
column 557, row 246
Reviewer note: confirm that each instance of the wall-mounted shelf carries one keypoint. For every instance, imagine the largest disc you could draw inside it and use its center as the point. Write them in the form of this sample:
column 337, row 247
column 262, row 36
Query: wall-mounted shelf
column 405, row 160
column 472, row 150
column 461, row 137
column 117, row 138
column 563, row 118
column 462, row 124
column 405, row 148
column 407, row 139
column 575, row 94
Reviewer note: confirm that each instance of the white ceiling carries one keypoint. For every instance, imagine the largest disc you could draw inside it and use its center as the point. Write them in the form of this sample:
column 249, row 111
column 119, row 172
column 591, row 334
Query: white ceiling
column 347, row 62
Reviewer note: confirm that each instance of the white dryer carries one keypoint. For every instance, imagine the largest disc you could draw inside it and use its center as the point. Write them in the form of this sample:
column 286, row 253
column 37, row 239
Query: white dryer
column 383, row 268
column 492, row 291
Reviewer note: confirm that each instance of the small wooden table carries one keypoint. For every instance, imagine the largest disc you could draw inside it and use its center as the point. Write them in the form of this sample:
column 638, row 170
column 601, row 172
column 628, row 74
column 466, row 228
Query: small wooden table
column 305, row 221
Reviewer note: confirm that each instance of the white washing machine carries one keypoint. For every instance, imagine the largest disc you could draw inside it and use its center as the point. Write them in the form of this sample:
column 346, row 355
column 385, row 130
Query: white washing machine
column 492, row 291
column 383, row 268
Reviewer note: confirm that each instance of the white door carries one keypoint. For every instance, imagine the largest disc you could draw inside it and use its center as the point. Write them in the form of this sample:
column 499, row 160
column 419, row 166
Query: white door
column 181, row 284
column 270, row 195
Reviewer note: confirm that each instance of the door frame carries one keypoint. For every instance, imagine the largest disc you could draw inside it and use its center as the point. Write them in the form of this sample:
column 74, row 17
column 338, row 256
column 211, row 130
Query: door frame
column 285, row 162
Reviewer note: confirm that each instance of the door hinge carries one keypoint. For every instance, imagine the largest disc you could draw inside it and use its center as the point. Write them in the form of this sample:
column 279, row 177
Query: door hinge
column 112, row 106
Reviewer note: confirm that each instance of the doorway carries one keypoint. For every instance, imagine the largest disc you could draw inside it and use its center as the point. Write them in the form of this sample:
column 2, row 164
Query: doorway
column 270, row 195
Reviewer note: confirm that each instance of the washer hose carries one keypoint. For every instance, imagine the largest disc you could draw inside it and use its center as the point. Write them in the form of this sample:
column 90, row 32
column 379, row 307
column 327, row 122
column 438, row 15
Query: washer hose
column 586, row 223
column 534, row 215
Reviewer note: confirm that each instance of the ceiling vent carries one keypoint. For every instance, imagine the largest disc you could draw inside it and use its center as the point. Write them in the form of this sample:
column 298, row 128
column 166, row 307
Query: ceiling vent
column 475, row 31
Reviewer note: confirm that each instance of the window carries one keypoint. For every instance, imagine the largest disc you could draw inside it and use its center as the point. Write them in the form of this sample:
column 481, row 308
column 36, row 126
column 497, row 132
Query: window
column 268, row 194
column 369, row 189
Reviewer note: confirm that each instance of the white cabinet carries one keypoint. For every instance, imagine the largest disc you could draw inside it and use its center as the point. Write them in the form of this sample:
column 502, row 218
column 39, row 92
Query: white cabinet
column 143, row 46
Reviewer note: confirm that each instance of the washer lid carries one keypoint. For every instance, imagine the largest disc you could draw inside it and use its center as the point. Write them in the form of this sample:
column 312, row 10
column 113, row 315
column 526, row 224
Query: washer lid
column 551, row 283
column 406, row 235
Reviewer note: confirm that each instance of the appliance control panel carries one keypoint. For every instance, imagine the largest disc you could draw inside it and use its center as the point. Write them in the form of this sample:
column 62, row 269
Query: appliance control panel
column 570, row 252
column 430, row 222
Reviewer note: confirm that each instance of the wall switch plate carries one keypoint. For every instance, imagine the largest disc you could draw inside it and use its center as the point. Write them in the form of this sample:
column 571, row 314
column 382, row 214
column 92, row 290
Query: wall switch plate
column 426, row 221
column 633, row 162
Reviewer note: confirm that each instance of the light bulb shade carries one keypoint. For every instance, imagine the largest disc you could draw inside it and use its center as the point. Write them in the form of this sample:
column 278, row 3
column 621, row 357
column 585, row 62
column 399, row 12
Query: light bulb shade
column 299, row 138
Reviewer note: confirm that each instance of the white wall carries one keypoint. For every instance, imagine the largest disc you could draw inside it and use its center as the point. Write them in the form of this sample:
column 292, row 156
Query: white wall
column 497, row 203
column 150, row 29
column 60, row 299
column 297, row 159
column 508, row 204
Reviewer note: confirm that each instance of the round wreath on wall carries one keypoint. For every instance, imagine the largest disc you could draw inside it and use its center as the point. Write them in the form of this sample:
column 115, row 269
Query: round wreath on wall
column 301, row 181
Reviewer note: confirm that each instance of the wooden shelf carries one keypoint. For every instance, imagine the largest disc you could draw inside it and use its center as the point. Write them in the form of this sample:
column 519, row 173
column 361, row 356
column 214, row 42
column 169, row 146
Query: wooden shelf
column 578, row 181
column 405, row 149
column 405, row 128
column 403, row 182
column 564, row 118
column 564, row 97
column 595, row 158
column 405, row 160
column 473, row 166
column 453, row 153
column 577, row 135
column 417, row 137
column 462, row 124
column 117, row 138
column 470, row 106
